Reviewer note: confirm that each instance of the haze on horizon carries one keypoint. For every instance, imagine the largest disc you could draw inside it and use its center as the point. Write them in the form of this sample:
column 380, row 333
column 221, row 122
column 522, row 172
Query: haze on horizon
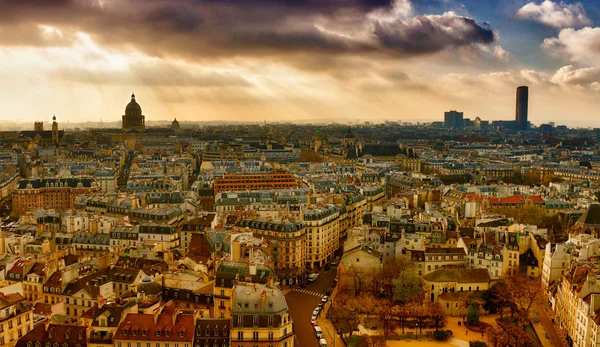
column 299, row 60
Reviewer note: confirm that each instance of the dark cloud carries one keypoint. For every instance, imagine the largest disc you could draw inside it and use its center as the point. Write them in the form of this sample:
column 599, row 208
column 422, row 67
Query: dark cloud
column 433, row 33
column 196, row 30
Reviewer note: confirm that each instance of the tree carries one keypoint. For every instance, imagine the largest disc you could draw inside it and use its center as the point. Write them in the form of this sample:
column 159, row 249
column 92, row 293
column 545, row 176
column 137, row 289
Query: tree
column 344, row 315
column 408, row 286
column 392, row 270
column 420, row 313
column 387, row 313
column 477, row 344
column 473, row 314
column 508, row 334
column 494, row 299
column 403, row 312
column 437, row 314
column 524, row 293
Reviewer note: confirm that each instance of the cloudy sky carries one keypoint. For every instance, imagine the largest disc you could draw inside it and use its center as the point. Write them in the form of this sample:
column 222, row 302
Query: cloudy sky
column 299, row 60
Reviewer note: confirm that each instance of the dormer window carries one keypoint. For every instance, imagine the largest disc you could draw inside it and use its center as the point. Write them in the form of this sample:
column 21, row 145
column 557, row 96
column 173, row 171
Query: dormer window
column 158, row 333
column 143, row 332
column 134, row 332
column 181, row 334
column 167, row 333
column 124, row 331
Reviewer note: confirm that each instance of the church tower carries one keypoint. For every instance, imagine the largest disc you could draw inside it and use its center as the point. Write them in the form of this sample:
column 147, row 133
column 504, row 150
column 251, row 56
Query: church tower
column 54, row 131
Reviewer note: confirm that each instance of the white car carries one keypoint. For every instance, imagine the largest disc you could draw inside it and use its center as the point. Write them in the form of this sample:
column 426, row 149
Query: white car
column 324, row 300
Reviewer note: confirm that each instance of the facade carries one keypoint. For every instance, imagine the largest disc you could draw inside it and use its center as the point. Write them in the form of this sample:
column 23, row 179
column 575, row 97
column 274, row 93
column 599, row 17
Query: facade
column 266, row 181
column 322, row 227
column 453, row 119
column 16, row 318
column 212, row 332
column 556, row 261
column 287, row 245
column 260, row 317
column 439, row 258
column 50, row 193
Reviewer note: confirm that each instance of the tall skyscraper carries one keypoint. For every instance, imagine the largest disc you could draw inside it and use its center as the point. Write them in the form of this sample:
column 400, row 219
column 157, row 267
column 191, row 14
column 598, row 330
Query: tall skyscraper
column 453, row 119
column 522, row 104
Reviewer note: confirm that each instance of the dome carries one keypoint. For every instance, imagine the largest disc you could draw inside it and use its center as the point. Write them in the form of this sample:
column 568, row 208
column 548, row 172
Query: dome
column 133, row 108
column 175, row 124
column 149, row 287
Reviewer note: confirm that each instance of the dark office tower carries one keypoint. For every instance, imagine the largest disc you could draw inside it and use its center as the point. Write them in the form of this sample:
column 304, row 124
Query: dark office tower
column 453, row 119
column 522, row 103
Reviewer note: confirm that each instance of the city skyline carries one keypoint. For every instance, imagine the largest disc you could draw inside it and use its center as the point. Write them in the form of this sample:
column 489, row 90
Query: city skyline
column 299, row 61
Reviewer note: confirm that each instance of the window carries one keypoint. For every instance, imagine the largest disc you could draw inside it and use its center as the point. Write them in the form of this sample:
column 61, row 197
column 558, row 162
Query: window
column 270, row 336
column 180, row 335
column 255, row 336
column 240, row 321
column 240, row 335
column 158, row 333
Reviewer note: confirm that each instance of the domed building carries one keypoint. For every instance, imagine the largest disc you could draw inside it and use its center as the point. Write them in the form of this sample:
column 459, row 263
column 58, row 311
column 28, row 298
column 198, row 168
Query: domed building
column 133, row 119
column 149, row 292
column 175, row 125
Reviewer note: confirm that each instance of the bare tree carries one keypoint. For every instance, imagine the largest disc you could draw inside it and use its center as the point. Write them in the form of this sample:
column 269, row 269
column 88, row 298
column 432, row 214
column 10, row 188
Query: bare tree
column 403, row 312
column 437, row 314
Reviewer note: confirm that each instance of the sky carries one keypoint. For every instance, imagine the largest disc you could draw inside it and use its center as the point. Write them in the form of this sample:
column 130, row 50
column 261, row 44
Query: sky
column 299, row 60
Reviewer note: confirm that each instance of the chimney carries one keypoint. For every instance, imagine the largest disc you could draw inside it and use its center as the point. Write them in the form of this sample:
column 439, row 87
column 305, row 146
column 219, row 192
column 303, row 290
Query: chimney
column 263, row 296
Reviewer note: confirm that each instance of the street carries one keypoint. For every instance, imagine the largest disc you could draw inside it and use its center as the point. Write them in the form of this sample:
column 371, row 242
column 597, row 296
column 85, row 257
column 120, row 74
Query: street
column 301, row 304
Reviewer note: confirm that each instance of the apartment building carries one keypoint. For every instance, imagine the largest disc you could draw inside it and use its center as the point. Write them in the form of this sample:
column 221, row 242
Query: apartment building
column 50, row 193
column 287, row 243
column 263, row 181
column 166, row 327
column 439, row 258
column 16, row 318
column 322, row 227
column 557, row 259
column 260, row 317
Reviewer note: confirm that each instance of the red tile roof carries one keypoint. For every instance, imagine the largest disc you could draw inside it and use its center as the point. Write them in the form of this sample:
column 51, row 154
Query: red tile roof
column 135, row 323
column 71, row 335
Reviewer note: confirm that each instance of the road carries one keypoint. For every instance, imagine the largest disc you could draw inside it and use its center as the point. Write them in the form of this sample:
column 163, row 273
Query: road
column 301, row 304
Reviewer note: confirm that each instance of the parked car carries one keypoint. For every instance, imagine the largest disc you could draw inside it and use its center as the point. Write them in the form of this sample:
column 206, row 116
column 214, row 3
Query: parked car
column 318, row 332
column 324, row 299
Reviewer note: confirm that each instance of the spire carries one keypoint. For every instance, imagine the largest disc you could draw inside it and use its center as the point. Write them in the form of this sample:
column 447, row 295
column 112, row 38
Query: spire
column 54, row 117
column 132, row 96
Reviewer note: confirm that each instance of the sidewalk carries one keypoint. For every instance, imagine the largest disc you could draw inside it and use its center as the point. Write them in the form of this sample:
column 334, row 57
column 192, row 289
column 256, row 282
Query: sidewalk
column 545, row 326
column 329, row 332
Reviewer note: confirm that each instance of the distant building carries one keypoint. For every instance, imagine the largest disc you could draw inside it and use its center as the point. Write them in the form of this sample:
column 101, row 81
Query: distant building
column 234, row 182
column 522, row 105
column 453, row 119
column 51, row 193
column 43, row 137
column 133, row 119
